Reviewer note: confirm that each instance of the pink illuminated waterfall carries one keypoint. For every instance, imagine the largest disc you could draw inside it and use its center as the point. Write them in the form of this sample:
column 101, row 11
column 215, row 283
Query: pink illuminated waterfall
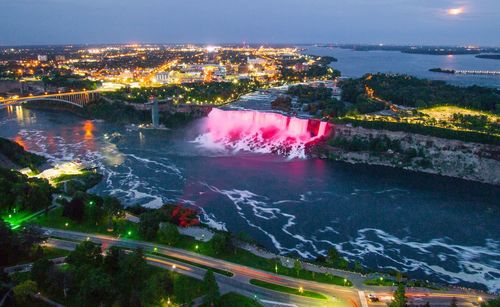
column 260, row 132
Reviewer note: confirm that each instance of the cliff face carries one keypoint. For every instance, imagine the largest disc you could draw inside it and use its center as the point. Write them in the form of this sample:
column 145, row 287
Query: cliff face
column 13, row 155
column 471, row 161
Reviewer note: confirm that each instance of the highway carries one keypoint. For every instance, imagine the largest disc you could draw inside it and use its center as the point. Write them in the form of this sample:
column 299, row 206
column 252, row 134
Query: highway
column 337, row 296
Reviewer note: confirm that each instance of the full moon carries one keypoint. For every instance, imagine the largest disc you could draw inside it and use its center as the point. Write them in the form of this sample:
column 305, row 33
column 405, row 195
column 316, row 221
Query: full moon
column 456, row 11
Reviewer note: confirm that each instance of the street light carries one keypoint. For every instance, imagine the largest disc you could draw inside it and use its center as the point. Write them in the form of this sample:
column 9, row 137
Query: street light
column 129, row 232
column 66, row 224
column 301, row 290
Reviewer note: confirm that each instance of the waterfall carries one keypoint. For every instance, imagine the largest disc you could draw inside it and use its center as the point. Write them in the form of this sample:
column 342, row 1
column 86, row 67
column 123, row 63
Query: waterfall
column 260, row 132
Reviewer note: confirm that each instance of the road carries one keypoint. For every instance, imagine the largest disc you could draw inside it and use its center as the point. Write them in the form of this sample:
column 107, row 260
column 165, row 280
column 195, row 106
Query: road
column 337, row 296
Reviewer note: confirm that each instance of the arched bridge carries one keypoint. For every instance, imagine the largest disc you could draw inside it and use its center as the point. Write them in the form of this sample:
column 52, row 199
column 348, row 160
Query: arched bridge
column 78, row 99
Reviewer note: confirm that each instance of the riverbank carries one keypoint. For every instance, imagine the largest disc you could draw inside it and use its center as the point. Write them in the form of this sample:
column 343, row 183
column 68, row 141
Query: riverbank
column 415, row 152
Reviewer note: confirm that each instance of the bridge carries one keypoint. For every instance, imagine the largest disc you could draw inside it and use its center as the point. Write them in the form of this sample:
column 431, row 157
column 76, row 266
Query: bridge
column 78, row 99
column 477, row 72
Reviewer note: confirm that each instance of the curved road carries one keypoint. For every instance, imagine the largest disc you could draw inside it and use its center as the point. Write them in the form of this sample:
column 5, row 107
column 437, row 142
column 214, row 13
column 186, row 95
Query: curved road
column 337, row 296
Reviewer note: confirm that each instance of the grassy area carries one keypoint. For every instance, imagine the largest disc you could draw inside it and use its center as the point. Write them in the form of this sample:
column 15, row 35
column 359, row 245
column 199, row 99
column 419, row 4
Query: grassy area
column 284, row 289
column 379, row 282
column 16, row 219
column 441, row 121
column 51, row 252
column 215, row 270
column 77, row 182
column 126, row 229
column 54, row 219
column 244, row 257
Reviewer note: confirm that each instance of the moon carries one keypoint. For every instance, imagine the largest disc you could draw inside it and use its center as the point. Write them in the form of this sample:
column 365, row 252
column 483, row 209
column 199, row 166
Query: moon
column 456, row 11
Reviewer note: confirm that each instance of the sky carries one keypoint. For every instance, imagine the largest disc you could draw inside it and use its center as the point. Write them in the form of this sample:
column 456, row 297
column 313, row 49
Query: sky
column 421, row 22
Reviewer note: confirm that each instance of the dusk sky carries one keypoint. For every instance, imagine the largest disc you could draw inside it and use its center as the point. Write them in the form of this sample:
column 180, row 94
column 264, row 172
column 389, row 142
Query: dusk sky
column 256, row 21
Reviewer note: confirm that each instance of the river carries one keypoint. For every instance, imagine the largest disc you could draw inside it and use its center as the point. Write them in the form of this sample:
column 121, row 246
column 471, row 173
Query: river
column 357, row 63
column 246, row 172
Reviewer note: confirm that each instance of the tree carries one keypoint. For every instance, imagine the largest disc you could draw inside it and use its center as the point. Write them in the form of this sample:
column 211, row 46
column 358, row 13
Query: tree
column 222, row 243
column 158, row 287
column 211, row 289
column 297, row 265
column 181, row 289
column 112, row 207
column 112, row 260
column 168, row 234
column 491, row 303
column 95, row 208
column 60, row 282
column 31, row 235
column 96, row 288
column 333, row 255
column 75, row 210
column 23, row 291
column 453, row 302
column 149, row 224
column 40, row 271
column 8, row 243
column 133, row 269
column 399, row 297
column 86, row 253
column 358, row 267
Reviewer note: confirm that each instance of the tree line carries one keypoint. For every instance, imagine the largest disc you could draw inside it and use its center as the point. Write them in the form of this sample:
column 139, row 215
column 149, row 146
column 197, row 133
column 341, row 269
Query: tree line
column 414, row 92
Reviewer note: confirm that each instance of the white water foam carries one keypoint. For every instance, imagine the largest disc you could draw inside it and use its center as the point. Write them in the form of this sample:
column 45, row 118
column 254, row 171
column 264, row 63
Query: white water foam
column 259, row 132
column 467, row 268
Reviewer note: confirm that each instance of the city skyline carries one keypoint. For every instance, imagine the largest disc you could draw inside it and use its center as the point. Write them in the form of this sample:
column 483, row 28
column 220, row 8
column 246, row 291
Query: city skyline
column 442, row 22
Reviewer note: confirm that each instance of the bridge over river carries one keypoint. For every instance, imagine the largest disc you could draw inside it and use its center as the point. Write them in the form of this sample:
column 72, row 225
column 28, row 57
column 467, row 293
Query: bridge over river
column 78, row 99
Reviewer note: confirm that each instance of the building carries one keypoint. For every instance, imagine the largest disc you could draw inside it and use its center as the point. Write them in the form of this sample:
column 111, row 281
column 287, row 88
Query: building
column 192, row 73
column 42, row 57
column 256, row 61
column 162, row 77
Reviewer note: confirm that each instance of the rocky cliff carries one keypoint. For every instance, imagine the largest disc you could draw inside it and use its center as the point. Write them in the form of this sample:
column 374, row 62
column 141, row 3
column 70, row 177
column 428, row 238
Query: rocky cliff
column 471, row 161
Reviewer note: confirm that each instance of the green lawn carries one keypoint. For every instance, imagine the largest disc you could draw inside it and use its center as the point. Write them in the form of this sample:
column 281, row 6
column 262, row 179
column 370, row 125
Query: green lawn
column 379, row 282
column 284, row 289
column 54, row 219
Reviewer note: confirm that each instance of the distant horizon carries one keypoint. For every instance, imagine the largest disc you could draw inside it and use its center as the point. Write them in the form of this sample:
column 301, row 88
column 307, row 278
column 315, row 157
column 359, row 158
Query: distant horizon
column 249, row 44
